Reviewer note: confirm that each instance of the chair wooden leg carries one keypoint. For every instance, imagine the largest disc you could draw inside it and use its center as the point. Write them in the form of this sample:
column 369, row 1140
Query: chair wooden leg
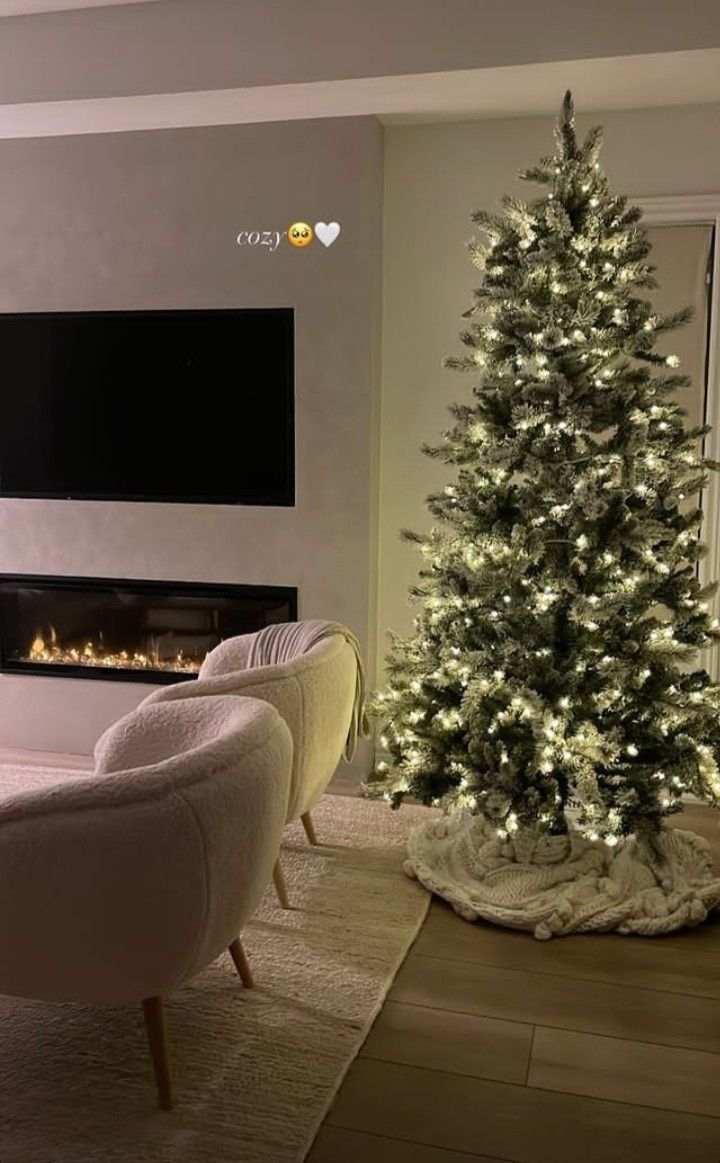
column 157, row 1040
column 241, row 963
column 309, row 827
column 280, row 886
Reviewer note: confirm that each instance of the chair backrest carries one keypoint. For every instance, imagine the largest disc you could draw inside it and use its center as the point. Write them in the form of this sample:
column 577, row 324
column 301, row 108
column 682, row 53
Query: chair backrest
column 121, row 884
column 314, row 687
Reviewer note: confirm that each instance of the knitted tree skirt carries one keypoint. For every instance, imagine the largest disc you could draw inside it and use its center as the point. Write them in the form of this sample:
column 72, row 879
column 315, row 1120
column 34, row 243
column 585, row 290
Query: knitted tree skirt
column 555, row 885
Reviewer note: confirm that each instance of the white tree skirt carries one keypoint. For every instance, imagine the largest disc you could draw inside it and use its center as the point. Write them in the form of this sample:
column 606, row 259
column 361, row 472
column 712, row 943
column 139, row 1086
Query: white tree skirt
column 555, row 885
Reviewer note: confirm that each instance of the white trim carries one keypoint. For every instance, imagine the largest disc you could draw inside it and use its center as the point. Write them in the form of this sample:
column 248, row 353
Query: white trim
column 677, row 208
column 702, row 209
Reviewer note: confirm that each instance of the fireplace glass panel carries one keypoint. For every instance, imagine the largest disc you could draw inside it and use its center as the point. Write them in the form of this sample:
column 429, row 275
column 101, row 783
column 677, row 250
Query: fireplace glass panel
column 143, row 631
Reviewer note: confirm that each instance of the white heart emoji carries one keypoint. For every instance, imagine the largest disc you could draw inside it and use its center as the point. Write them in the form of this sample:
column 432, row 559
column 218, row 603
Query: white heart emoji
column 327, row 232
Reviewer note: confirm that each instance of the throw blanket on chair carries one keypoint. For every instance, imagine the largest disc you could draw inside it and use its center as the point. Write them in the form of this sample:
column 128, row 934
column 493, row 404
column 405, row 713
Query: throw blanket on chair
column 285, row 641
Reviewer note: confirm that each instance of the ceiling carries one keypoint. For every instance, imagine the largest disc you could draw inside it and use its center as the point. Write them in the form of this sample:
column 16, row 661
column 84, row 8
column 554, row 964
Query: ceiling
column 26, row 7
column 99, row 66
column 663, row 79
column 626, row 82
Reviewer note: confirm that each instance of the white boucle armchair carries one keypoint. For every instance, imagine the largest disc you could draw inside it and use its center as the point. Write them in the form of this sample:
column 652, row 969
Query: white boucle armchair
column 312, row 672
column 120, row 884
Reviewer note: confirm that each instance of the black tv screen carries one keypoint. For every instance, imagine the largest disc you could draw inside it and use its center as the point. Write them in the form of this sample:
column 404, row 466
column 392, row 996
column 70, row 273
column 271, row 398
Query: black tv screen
column 149, row 405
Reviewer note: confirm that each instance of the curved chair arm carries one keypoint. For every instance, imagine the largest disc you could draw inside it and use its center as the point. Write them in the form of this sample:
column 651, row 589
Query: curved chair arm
column 237, row 682
column 314, row 692
column 95, row 905
column 228, row 657
column 134, row 879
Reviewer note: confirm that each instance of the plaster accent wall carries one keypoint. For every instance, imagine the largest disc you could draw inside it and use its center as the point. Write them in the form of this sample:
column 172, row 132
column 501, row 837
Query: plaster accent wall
column 435, row 176
column 149, row 220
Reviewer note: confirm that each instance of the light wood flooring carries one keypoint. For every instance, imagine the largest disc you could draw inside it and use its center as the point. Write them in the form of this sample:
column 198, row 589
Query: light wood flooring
column 496, row 1048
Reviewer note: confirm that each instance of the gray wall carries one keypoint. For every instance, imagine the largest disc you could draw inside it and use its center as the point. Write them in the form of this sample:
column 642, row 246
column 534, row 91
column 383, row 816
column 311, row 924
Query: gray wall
column 149, row 220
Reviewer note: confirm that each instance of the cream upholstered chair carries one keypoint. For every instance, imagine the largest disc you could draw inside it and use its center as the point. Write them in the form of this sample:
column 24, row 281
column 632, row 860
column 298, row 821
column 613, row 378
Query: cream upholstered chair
column 312, row 672
column 118, row 885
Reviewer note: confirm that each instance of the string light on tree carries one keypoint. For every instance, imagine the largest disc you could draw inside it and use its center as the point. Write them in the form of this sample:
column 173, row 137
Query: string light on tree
column 558, row 619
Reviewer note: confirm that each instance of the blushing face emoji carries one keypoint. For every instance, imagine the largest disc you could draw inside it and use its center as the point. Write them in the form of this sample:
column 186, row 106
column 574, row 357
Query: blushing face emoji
column 300, row 234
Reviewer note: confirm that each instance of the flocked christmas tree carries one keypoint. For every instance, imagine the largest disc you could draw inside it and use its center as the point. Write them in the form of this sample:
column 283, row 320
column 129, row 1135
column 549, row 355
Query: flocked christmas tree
column 559, row 611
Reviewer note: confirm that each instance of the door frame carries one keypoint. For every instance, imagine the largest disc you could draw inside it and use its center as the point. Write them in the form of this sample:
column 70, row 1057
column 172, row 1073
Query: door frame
column 702, row 210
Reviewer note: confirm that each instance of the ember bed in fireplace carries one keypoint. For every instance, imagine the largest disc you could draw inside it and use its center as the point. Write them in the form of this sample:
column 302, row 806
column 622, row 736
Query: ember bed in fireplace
column 134, row 631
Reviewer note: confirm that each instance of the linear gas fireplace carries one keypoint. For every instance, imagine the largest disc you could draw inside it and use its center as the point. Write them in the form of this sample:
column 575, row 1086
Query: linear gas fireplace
column 137, row 631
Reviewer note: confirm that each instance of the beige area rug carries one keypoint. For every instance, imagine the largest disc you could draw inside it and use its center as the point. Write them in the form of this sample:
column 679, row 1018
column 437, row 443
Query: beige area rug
column 254, row 1070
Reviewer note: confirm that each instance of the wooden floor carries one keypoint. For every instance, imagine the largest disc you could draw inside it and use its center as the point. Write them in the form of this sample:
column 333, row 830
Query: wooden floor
column 496, row 1048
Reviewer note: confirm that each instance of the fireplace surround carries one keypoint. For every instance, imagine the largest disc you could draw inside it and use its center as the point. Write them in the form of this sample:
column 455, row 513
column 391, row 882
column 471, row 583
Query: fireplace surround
column 127, row 629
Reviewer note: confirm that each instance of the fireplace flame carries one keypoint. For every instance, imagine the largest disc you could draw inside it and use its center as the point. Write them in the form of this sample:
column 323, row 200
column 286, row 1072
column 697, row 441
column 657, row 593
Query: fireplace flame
column 46, row 649
column 38, row 646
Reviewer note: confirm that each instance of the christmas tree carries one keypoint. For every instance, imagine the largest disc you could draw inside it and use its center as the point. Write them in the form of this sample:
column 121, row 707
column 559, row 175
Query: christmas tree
column 559, row 609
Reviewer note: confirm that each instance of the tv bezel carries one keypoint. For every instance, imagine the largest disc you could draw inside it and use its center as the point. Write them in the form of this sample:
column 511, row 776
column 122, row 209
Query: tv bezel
column 289, row 495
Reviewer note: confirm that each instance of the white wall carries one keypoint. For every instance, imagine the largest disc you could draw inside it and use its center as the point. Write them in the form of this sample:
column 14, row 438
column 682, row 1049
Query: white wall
column 435, row 176
column 149, row 220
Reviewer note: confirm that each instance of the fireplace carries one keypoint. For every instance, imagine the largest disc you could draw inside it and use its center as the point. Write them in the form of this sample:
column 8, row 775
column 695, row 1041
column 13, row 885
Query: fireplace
column 128, row 630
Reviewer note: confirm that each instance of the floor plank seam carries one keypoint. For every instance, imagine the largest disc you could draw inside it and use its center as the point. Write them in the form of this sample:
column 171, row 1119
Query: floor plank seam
column 711, row 955
column 637, row 1041
column 644, row 1106
column 422, row 1143
column 543, row 1089
column 530, row 1054
column 548, row 1026
column 423, row 1005
column 567, row 977
column 441, row 1070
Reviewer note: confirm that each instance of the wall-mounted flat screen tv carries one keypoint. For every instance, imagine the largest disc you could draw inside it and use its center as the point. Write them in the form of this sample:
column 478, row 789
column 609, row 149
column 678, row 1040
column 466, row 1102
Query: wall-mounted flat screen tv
column 194, row 406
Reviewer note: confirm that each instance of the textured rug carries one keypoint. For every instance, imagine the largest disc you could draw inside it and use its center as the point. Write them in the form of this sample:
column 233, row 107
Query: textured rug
column 254, row 1070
